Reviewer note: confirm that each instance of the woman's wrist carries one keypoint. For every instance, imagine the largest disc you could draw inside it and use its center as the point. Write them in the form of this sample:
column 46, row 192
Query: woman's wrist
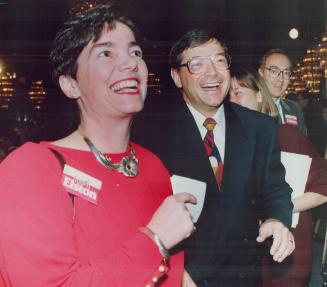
column 156, row 239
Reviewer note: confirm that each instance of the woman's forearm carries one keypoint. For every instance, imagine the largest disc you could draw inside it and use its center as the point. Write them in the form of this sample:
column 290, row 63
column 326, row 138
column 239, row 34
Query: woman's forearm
column 307, row 201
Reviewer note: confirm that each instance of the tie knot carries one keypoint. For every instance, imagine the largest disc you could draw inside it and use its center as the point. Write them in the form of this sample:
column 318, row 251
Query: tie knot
column 209, row 124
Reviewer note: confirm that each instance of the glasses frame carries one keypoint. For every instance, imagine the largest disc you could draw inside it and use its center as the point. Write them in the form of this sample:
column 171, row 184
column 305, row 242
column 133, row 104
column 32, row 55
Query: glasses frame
column 280, row 72
column 209, row 57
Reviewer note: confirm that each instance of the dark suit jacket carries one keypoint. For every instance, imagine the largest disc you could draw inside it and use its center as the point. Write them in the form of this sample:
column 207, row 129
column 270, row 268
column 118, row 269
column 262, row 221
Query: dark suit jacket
column 292, row 108
column 253, row 187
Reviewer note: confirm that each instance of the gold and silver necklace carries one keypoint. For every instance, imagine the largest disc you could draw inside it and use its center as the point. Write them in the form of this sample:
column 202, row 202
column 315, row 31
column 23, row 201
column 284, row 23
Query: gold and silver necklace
column 128, row 165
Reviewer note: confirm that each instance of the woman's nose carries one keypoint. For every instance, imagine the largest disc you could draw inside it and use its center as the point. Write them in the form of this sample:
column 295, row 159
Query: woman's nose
column 129, row 63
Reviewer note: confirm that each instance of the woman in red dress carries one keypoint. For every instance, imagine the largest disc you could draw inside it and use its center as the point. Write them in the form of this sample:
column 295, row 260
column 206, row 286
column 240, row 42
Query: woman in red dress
column 93, row 208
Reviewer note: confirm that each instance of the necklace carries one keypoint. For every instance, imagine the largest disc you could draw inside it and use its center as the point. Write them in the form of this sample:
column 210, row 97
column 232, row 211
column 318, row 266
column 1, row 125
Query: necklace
column 128, row 165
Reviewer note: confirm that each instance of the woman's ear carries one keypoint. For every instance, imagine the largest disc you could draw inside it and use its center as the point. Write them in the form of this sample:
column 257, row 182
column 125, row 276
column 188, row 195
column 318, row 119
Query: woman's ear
column 176, row 78
column 259, row 97
column 69, row 86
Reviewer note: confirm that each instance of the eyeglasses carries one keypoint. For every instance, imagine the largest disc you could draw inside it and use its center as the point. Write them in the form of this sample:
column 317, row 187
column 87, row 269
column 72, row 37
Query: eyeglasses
column 198, row 64
column 275, row 72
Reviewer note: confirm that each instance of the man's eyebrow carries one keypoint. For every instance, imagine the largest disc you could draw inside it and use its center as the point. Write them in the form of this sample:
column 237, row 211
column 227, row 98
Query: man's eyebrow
column 273, row 66
column 276, row 67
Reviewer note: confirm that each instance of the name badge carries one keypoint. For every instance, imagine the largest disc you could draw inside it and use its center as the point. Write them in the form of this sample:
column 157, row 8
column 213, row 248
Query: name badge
column 291, row 120
column 81, row 184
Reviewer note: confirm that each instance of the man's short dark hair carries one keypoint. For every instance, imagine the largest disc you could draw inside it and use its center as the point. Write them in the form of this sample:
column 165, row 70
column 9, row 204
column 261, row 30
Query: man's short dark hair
column 271, row 52
column 192, row 39
column 77, row 32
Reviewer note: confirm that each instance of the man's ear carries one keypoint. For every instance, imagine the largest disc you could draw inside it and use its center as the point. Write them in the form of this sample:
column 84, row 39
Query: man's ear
column 69, row 86
column 176, row 78
column 260, row 72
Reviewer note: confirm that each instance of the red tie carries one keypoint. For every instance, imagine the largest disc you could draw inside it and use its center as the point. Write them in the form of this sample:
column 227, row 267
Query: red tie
column 212, row 150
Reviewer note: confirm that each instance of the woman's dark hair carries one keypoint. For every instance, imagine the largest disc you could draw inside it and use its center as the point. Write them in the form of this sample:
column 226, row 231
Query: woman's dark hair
column 77, row 32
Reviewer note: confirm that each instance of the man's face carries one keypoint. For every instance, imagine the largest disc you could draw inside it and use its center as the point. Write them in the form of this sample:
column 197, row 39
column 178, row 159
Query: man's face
column 111, row 77
column 204, row 91
column 276, row 85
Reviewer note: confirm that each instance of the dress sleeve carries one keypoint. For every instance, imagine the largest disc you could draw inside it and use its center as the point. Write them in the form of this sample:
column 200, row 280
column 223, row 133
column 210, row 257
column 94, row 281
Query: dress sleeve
column 317, row 179
column 38, row 246
column 158, row 178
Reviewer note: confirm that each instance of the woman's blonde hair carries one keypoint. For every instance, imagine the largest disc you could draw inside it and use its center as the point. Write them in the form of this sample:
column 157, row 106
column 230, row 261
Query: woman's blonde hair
column 253, row 81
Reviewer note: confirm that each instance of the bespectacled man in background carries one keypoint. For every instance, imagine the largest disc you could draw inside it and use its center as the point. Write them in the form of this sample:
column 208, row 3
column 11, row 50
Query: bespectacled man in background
column 276, row 70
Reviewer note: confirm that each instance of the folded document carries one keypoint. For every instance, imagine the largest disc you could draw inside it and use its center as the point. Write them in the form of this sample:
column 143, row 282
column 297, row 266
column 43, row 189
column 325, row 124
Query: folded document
column 297, row 168
column 195, row 187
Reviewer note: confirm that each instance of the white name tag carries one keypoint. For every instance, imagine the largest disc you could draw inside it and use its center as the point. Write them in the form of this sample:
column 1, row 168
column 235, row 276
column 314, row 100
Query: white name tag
column 290, row 119
column 81, row 184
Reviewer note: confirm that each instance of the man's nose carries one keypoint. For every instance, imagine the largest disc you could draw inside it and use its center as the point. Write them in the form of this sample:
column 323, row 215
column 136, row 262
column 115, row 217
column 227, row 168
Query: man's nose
column 280, row 76
column 211, row 69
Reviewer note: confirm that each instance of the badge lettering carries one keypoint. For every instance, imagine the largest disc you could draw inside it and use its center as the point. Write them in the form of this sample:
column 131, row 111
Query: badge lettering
column 81, row 184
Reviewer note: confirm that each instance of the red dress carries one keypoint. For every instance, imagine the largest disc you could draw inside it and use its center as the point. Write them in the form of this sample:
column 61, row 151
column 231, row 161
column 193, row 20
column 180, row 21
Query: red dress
column 42, row 245
column 295, row 270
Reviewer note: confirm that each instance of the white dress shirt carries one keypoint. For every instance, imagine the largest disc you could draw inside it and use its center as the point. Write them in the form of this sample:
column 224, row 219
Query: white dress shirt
column 280, row 110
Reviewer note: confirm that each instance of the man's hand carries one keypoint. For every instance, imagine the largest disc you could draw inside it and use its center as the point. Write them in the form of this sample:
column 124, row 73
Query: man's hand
column 283, row 240
column 187, row 280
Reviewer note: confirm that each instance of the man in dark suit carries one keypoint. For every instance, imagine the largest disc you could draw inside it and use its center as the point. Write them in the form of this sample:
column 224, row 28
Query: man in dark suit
column 275, row 68
column 239, row 160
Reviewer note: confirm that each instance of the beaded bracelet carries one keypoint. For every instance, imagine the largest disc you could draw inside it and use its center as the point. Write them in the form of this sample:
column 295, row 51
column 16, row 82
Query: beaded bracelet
column 162, row 249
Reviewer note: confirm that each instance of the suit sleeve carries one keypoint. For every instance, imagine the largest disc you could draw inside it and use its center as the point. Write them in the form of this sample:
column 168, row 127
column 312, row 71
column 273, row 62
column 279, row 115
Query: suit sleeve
column 38, row 246
column 277, row 193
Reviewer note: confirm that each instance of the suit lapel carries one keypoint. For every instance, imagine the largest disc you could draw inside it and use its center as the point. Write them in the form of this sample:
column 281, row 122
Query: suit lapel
column 285, row 107
column 189, row 147
column 239, row 148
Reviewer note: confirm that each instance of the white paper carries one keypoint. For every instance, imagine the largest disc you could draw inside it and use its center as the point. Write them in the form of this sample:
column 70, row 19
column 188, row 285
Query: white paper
column 195, row 187
column 297, row 170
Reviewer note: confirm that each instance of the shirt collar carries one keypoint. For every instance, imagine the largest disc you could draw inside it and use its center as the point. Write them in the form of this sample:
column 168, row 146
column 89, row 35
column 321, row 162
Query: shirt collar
column 199, row 118
column 277, row 102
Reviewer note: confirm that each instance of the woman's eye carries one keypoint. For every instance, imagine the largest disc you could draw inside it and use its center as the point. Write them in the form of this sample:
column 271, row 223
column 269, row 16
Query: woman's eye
column 137, row 53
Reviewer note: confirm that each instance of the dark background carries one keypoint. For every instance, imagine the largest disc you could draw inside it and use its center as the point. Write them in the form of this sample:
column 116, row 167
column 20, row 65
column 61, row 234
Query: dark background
column 250, row 27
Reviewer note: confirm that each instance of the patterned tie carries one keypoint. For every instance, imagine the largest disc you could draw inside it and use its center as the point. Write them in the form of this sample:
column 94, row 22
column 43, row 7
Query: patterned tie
column 212, row 150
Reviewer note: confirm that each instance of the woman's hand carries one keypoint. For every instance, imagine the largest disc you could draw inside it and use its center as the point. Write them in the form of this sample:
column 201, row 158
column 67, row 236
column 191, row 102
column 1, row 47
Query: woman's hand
column 172, row 221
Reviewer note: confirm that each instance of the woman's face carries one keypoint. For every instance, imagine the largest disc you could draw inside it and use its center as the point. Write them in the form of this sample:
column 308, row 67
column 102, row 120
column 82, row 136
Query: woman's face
column 243, row 96
column 111, row 76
